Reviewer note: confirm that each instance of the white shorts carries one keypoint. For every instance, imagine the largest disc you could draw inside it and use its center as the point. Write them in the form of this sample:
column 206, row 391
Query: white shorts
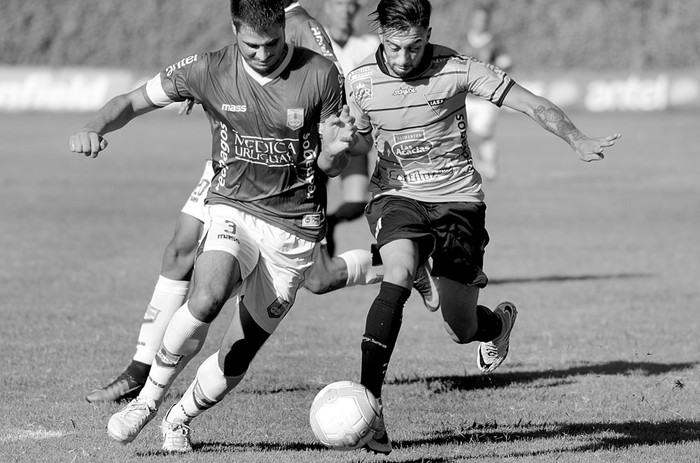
column 481, row 115
column 273, row 261
column 195, row 203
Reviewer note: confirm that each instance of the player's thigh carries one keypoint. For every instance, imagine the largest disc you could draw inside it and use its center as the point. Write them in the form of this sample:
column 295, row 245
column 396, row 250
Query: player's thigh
column 268, row 293
column 217, row 274
column 458, row 303
column 188, row 231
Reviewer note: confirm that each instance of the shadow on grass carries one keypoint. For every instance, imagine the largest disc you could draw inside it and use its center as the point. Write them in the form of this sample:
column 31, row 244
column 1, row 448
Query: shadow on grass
column 451, row 383
column 579, row 437
column 559, row 278
column 595, row 436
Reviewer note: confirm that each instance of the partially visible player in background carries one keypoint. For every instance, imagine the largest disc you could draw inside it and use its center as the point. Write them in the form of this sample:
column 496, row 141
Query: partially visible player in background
column 484, row 45
column 350, row 49
column 328, row 273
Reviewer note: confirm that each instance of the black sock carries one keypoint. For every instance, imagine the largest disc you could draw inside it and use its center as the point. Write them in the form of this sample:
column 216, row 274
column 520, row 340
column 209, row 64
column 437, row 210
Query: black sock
column 381, row 332
column 489, row 325
column 138, row 370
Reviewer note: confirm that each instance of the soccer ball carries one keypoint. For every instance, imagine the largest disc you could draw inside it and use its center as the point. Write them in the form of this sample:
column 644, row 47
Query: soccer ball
column 344, row 415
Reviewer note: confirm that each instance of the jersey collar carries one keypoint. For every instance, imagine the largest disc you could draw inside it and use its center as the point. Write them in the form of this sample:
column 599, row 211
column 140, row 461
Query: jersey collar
column 263, row 80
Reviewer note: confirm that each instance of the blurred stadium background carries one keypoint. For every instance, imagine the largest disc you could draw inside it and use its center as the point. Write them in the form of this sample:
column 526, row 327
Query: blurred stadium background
column 599, row 55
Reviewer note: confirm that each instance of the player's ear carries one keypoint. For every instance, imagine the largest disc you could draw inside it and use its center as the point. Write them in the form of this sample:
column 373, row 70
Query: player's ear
column 427, row 37
column 233, row 26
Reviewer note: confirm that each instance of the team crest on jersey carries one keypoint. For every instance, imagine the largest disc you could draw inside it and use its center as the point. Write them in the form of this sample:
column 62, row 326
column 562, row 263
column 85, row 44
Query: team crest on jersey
column 362, row 89
column 295, row 118
column 278, row 308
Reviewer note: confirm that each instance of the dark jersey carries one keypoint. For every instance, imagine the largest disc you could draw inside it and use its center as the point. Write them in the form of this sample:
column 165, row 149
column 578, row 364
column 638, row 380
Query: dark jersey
column 304, row 31
column 265, row 130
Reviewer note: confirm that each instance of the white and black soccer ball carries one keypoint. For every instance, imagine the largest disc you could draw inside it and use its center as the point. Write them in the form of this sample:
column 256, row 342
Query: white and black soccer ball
column 344, row 415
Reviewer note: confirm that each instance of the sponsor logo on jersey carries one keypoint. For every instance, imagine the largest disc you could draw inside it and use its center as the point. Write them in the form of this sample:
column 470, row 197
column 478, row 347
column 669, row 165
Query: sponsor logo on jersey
column 278, row 308
column 295, row 118
column 402, row 91
column 436, row 103
column 311, row 221
column 412, row 147
column 234, row 108
column 321, row 41
column 362, row 89
column 417, row 176
column 183, row 62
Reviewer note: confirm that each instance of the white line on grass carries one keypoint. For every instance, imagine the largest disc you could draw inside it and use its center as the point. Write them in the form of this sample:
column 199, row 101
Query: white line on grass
column 13, row 435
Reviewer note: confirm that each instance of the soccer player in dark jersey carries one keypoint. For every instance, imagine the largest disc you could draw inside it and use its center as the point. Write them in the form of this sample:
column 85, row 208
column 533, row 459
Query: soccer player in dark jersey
column 329, row 273
column 427, row 201
column 268, row 104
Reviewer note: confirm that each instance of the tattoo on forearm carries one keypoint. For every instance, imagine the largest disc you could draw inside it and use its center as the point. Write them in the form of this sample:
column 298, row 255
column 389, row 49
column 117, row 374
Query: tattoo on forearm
column 554, row 120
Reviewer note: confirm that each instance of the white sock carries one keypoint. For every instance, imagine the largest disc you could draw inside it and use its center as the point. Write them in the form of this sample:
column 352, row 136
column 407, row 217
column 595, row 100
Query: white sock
column 168, row 296
column 182, row 341
column 209, row 387
column 360, row 269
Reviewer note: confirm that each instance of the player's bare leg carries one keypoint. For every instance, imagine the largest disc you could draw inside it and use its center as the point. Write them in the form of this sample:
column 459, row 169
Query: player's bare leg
column 168, row 296
column 351, row 268
column 466, row 321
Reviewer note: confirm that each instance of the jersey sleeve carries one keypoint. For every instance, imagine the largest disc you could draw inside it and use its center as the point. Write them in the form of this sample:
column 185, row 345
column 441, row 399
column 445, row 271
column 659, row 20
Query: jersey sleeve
column 311, row 35
column 178, row 82
column 483, row 79
column 333, row 96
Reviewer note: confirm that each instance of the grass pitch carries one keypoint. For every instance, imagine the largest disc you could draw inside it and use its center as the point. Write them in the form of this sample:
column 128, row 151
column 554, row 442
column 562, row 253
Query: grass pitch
column 601, row 260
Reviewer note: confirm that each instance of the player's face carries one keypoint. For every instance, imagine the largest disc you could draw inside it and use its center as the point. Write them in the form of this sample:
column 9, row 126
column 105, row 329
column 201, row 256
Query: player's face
column 263, row 51
column 341, row 13
column 403, row 49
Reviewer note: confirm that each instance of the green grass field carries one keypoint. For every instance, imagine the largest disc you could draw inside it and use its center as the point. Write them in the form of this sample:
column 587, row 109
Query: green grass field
column 602, row 260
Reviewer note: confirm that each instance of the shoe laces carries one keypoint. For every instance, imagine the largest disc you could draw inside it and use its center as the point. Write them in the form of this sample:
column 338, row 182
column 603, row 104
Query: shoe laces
column 177, row 434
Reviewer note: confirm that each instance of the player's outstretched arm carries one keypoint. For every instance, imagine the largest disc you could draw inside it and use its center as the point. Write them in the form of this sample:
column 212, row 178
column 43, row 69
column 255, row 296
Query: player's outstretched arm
column 112, row 116
column 338, row 137
column 552, row 118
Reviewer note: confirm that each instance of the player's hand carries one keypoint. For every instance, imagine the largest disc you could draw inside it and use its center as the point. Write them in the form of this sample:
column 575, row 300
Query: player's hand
column 87, row 142
column 339, row 132
column 185, row 108
column 591, row 149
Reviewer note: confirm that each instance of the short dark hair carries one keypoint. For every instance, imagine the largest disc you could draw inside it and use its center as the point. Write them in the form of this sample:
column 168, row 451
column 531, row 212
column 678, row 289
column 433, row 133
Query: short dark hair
column 402, row 14
column 259, row 15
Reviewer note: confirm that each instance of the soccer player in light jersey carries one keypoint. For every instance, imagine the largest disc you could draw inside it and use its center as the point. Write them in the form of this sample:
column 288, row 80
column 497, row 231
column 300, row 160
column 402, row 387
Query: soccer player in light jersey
column 427, row 201
column 348, row 269
column 266, row 102
column 350, row 49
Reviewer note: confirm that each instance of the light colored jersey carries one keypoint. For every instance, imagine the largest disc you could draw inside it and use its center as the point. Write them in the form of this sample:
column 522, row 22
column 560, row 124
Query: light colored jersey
column 356, row 49
column 264, row 130
column 419, row 124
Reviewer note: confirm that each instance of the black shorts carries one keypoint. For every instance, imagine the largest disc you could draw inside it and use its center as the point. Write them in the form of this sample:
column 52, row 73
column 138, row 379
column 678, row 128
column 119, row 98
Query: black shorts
column 453, row 234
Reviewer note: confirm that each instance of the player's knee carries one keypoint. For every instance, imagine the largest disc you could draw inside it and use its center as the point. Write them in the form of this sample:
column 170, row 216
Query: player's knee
column 463, row 337
column 206, row 304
